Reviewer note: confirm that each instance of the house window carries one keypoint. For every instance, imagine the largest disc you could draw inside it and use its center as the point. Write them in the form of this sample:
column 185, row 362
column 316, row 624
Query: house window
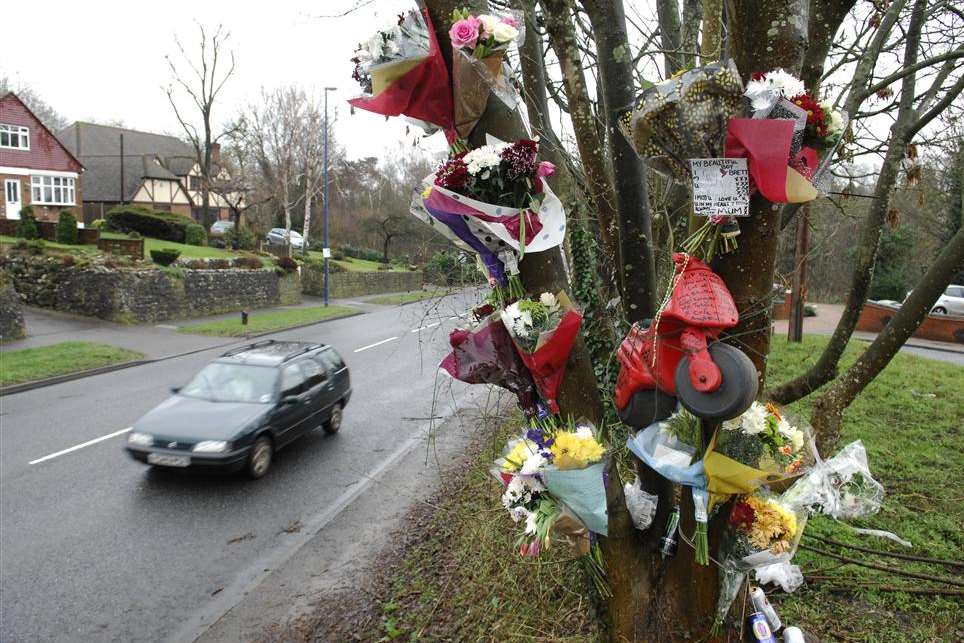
column 52, row 190
column 15, row 137
column 195, row 182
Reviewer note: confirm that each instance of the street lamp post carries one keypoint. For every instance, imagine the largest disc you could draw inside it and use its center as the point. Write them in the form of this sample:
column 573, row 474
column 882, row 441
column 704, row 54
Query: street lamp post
column 326, row 250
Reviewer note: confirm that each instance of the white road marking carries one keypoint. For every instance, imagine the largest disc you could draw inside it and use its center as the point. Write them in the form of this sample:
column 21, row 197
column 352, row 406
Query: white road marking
column 384, row 341
column 455, row 317
column 167, row 326
column 415, row 330
column 80, row 446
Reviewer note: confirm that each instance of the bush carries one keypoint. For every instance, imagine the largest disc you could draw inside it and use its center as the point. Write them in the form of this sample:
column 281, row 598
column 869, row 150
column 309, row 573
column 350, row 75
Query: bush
column 249, row 263
column 20, row 245
column 244, row 237
column 157, row 225
column 98, row 224
column 27, row 228
column 368, row 254
column 165, row 256
column 194, row 235
column 450, row 269
column 66, row 228
column 196, row 264
column 36, row 247
column 286, row 263
column 219, row 264
column 67, row 260
column 133, row 234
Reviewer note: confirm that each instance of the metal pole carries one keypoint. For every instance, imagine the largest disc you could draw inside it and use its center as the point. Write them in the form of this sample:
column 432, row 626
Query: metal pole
column 121, row 169
column 326, row 249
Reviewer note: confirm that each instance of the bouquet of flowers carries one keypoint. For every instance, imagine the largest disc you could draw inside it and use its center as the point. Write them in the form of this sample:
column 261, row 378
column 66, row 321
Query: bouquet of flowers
column 544, row 332
column 494, row 200
column 554, row 483
column 762, row 530
column 784, row 140
column 684, row 117
column 483, row 353
column 401, row 72
column 841, row 487
column 479, row 44
column 760, row 446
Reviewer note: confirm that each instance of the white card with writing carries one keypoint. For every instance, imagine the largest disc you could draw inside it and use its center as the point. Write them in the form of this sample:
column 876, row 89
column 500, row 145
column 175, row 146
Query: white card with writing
column 721, row 187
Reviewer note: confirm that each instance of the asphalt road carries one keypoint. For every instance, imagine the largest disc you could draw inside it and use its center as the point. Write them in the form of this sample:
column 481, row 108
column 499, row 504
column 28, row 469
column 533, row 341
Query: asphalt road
column 96, row 547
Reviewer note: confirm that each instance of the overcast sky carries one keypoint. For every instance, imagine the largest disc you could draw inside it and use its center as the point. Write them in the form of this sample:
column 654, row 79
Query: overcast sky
column 104, row 60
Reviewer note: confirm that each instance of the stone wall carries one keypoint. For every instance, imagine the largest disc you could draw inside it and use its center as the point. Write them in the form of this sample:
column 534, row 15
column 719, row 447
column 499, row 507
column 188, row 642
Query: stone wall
column 11, row 317
column 143, row 295
column 356, row 284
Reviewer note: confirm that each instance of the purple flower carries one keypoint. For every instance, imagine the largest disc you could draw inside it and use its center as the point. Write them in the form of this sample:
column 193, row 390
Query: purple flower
column 538, row 436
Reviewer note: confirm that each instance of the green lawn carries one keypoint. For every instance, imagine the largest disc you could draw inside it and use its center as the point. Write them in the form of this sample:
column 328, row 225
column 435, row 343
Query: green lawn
column 406, row 297
column 458, row 577
column 53, row 245
column 267, row 321
column 28, row 364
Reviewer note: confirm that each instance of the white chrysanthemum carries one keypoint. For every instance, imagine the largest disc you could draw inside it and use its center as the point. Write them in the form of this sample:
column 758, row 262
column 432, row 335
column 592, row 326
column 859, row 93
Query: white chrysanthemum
column 754, row 420
column 489, row 22
column 777, row 84
column 533, row 463
column 503, row 33
column 797, row 439
column 584, row 432
column 518, row 513
column 784, row 428
column 483, row 158
column 375, row 45
column 835, row 120
column 787, row 84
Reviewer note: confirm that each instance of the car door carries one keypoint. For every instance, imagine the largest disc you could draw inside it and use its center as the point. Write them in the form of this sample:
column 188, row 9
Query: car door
column 318, row 392
column 338, row 372
column 293, row 408
column 955, row 300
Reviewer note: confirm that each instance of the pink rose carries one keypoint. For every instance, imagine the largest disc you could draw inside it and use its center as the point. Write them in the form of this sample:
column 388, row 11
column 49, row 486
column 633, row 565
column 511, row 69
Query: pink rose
column 511, row 21
column 465, row 32
column 545, row 169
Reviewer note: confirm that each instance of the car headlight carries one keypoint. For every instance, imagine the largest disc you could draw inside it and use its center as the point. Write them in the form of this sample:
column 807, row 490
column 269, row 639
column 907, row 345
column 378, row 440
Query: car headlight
column 210, row 446
column 140, row 439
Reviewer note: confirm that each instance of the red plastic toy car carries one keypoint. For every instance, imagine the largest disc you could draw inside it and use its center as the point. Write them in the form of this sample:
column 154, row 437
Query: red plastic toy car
column 681, row 357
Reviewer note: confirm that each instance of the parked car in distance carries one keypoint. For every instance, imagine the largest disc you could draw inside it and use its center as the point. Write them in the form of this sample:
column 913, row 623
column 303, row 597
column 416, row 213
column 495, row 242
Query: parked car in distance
column 243, row 407
column 277, row 237
column 951, row 302
column 217, row 231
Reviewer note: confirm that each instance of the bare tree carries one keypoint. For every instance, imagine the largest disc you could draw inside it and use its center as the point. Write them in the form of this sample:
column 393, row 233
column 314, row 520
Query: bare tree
column 202, row 81
column 43, row 110
column 236, row 184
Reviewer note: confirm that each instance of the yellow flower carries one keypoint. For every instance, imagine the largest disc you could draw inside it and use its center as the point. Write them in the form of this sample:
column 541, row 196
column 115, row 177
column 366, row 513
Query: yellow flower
column 518, row 455
column 774, row 526
column 570, row 451
column 427, row 191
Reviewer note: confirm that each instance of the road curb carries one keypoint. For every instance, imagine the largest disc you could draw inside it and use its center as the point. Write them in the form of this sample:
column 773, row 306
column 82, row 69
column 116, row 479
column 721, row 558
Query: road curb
column 68, row 377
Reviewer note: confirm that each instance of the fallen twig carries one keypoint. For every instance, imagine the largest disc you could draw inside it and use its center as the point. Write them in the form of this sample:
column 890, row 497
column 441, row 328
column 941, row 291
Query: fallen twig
column 884, row 568
column 892, row 554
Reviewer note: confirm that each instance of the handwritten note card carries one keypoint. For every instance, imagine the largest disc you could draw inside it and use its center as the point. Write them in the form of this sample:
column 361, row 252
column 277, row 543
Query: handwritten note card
column 721, row 187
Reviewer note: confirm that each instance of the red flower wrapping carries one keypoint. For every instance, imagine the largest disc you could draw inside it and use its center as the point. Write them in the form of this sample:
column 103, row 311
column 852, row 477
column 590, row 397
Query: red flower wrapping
column 548, row 362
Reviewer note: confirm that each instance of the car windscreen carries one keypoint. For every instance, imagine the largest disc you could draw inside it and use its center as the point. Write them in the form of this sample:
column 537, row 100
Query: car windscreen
column 219, row 382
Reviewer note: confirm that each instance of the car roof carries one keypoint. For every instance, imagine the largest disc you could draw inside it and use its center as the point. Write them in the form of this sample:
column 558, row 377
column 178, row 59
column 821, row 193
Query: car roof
column 269, row 352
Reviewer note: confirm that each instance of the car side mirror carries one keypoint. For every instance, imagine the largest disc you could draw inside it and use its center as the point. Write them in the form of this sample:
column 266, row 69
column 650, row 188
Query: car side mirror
column 175, row 389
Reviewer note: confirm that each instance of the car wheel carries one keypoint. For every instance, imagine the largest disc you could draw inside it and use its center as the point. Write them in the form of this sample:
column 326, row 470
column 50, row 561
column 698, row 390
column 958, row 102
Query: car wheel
column 736, row 393
column 260, row 459
column 334, row 422
column 939, row 310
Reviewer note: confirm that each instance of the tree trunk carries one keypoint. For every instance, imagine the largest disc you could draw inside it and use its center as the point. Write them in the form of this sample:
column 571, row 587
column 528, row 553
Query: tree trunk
column 669, row 35
column 637, row 264
column 306, row 229
column 799, row 293
column 828, row 411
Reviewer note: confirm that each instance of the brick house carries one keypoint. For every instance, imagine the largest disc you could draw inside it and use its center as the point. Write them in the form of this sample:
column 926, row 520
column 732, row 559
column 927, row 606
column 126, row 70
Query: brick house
column 152, row 170
column 35, row 168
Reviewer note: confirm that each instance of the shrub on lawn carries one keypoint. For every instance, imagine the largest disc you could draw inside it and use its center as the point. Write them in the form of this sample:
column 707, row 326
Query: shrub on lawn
column 67, row 228
column 157, row 225
column 165, row 256
column 249, row 263
column 36, row 247
column 194, row 235
column 196, row 264
column 286, row 263
column 357, row 252
column 134, row 234
column 242, row 237
column 98, row 224
column 68, row 261
column 27, row 228
column 219, row 264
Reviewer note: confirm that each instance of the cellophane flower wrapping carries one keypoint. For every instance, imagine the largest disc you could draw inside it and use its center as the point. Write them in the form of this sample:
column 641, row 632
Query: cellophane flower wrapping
column 484, row 354
column 544, row 339
column 841, row 487
column 762, row 530
column 401, row 71
column 554, row 481
column 759, row 447
column 479, row 46
column 684, row 117
column 672, row 450
column 640, row 503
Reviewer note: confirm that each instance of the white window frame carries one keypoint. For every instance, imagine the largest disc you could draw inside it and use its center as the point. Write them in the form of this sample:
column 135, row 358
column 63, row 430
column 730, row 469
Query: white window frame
column 53, row 190
column 21, row 133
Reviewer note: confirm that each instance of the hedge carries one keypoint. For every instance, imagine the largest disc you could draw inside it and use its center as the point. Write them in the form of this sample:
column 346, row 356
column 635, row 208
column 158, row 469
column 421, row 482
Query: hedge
column 27, row 227
column 194, row 235
column 165, row 256
column 149, row 223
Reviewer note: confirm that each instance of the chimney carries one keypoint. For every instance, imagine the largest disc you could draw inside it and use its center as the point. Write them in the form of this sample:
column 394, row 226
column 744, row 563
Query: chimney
column 216, row 154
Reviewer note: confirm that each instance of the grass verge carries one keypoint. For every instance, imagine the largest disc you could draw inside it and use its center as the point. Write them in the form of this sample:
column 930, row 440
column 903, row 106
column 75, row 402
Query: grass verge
column 29, row 364
column 405, row 298
column 268, row 321
column 457, row 577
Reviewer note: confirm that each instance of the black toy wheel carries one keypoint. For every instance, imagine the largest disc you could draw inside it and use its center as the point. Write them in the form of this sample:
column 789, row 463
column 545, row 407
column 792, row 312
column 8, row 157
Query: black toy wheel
column 646, row 407
column 736, row 392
